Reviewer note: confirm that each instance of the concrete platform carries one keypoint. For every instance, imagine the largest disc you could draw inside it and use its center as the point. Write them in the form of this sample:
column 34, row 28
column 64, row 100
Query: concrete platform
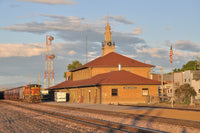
column 99, row 106
column 159, row 112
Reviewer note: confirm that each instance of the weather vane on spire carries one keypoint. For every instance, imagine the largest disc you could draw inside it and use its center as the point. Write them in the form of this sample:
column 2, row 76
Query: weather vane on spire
column 107, row 18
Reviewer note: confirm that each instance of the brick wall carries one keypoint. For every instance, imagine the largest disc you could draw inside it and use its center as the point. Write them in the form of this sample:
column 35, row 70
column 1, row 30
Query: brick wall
column 128, row 94
column 141, row 71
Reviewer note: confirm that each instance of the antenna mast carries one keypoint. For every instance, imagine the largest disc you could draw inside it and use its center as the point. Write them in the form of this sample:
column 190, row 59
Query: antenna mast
column 86, row 43
column 49, row 72
column 38, row 78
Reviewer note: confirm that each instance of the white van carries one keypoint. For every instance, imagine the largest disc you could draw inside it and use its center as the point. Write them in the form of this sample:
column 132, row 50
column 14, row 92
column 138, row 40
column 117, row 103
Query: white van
column 60, row 96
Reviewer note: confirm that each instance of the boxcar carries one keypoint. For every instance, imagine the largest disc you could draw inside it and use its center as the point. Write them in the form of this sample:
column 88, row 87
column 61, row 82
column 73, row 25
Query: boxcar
column 14, row 93
column 1, row 94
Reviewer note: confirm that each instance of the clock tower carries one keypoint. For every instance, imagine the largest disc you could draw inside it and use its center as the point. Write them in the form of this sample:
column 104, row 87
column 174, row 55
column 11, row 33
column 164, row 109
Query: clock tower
column 107, row 45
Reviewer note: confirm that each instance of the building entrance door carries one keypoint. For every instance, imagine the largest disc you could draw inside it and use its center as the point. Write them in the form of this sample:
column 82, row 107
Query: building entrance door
column 67, row 97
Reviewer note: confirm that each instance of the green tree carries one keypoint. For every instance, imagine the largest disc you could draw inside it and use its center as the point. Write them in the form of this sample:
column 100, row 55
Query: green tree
column 75, row 64
column 184, row 93
column 64, row 75
column 198, row 63
column 177, row 70
column 190, row 65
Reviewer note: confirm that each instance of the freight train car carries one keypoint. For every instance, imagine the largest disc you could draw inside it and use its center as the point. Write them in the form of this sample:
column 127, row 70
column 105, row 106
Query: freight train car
column 14, row 93
column 1, row 94
column 28, row 93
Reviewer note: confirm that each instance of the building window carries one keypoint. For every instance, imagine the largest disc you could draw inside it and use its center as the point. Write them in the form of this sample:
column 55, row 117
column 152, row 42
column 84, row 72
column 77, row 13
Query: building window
column 199, row 91
column 185, row 80
column 114, row 92
column 68, row 77
column 145, row 91
column 176, row 83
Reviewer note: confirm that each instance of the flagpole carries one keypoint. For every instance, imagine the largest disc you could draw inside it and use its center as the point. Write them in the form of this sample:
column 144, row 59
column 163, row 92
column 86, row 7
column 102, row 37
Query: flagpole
column 171, row 61
column 172, row 85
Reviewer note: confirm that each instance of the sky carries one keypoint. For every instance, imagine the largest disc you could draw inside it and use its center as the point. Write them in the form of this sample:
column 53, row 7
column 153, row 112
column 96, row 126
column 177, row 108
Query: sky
column 141, row 29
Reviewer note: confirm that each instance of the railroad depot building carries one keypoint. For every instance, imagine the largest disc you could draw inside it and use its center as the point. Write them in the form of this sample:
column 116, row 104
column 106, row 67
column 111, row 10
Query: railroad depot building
column 110, row 79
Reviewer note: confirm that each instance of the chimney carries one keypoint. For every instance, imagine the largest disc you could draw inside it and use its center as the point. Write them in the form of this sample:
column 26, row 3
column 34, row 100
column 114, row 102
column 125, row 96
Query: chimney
column 119, row 66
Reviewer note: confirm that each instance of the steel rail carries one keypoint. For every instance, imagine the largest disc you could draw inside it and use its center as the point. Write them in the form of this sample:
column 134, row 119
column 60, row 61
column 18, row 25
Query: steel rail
column 106, row 126
column 179, row 122
column 162, row 107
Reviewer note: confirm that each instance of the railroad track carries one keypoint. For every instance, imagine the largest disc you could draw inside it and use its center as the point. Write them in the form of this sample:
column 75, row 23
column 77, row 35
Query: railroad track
column 178, row 122
column 106, row 126
column 160, row 107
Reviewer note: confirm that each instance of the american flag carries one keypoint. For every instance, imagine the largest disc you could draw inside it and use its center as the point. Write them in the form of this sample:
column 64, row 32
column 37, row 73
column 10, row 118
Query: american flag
column 171, row 54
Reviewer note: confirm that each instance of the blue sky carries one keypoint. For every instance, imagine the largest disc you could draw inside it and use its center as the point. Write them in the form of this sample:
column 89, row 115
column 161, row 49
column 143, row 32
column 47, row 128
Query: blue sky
column 142, row 30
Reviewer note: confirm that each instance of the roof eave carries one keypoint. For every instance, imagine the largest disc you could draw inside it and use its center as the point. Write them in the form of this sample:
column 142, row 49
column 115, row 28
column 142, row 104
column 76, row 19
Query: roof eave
column 78, row 69
column 127, row 84
column 76, row 86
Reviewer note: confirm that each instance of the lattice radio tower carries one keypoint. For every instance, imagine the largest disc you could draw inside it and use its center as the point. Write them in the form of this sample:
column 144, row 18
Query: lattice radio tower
column 49, row 72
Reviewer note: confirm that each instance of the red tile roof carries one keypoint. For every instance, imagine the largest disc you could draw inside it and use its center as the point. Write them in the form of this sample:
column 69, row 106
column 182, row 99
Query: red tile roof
column 111, row 78
column 113, row 59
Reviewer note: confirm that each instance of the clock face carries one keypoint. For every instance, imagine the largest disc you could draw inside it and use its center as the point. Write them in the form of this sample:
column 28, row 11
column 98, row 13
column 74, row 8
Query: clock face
column 109, row 44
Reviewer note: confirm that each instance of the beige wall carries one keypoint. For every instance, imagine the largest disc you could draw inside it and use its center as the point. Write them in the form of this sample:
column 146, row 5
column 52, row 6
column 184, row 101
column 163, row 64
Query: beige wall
column 82, row 74
column 103, row 94
column 90, row 72
column 128, row 96
column 106, row 49
column 141, row 71
column 89, row 95
column 196, row 86
column 178, row 79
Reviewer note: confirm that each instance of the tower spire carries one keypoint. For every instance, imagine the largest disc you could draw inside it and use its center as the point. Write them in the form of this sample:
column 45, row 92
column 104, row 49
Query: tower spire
column 108, row 32
column 107, row 46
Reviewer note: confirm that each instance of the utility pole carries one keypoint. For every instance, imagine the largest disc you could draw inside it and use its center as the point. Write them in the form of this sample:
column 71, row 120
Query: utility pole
column 162, row 86
column 29, row 79
column 162, row 83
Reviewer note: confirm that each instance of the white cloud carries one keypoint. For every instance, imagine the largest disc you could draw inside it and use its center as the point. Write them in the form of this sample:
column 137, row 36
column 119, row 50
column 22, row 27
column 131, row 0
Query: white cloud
column 52, row 2
column 154, row 52
column 121, row 19
column 187, row 45
column 194, row 54
column 178, row 53
column 72, row 52
column 168, row 28
column 148, row 61
column 6, row 80
column 130, row 56
column 92, row 53
column 71, row 28
column 137, row 31
column 58, row 23
column 23, row 50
